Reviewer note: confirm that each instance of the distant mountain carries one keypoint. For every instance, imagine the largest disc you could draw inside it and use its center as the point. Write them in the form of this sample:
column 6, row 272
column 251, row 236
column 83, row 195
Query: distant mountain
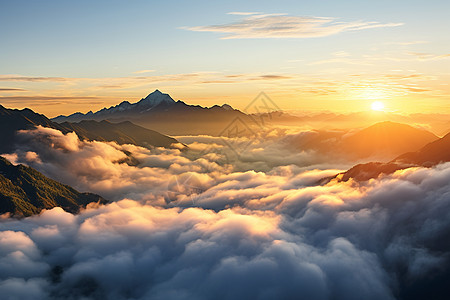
column 384, row 140
column 122, row 133
column 430, row 155
column 24, row 192
column 12, row 120
column 160, row 112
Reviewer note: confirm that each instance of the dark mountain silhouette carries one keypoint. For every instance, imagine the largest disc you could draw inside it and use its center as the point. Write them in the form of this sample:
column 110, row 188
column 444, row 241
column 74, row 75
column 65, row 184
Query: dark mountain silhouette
column 24, row 192
column 122, row 133
column 160, row 112
column 430, row 155
column 12, row 120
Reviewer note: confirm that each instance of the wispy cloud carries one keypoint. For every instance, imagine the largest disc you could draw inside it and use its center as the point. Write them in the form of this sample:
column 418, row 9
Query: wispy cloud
column 46, row 100
column 257, row 25
column 429, row 56
column 30, row 78
column 11, row 90
column 143, row 71
column 240, row 13
column 408, row 43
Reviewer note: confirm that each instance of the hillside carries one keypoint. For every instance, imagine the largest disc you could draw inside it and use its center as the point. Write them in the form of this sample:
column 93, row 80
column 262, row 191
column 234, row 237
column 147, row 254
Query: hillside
column 12, row 120
column 24, row 192
column 122, row 133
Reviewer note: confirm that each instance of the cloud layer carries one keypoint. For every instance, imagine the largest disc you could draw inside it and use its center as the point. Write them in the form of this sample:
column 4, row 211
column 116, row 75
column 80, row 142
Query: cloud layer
column 221, row 231
column 257, row 25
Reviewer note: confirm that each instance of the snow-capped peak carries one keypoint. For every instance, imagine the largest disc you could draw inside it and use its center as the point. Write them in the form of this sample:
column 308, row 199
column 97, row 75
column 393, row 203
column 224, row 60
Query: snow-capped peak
column 155, row 99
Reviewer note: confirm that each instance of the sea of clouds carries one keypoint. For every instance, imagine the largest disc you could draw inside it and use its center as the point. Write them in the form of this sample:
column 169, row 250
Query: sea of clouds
column 206, row 223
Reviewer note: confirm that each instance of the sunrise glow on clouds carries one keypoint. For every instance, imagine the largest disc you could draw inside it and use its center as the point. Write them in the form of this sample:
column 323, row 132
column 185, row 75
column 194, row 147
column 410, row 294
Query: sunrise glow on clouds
column 272, row 227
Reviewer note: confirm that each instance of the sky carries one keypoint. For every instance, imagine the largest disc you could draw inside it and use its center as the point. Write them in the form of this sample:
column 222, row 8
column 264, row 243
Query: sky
column 59, row 57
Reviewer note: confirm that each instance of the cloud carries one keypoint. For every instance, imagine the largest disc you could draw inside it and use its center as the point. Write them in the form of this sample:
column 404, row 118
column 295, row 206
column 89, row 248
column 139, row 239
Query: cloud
column 31, row 78
column 429, row 56
column 143, row 71
column 225, row 229
column 295, row 240
column 257, row 25
column 11, row 90
column 238, row 13
column 102, row 167
column 409, row 43
column 45, row 98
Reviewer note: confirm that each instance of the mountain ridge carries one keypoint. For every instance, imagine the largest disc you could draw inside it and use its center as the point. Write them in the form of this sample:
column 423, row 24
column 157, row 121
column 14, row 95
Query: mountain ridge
column 25, row 191
column 152, row 100
column 157, row 108
column 13, row 120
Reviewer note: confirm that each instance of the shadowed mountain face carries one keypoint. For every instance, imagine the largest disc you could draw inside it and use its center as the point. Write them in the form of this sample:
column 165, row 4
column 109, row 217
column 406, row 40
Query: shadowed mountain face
column 384, row 140
column 12, row 120
column 122, row 133
column 430, row 155
column 24, row 192
column 160, row 112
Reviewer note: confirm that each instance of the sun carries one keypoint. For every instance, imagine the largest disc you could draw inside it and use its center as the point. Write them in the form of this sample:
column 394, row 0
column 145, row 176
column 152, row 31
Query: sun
column 377, row 105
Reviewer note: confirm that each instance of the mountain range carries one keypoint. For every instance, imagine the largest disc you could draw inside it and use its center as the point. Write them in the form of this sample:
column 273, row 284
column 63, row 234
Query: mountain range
column 160, row 112
column 12, row 120
column 24, row 191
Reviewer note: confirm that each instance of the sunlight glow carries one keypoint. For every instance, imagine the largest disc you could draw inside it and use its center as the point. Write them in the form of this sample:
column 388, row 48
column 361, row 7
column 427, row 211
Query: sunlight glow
column 377, row 105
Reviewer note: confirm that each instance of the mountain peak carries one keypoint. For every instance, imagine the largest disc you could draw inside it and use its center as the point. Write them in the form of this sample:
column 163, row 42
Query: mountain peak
column 227, row 107
column 155, row 98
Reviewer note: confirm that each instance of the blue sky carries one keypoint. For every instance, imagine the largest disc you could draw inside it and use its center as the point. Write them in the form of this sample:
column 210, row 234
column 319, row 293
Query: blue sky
column 87, row 40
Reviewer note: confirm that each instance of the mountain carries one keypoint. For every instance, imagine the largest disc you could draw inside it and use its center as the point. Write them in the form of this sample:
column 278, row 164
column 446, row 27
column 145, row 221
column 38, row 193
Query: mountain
column 12, row 120
column 122, row 133
column 160, row 112
column 152, row 101
column 24, row 192
column 430, row 155
column 384, row 140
